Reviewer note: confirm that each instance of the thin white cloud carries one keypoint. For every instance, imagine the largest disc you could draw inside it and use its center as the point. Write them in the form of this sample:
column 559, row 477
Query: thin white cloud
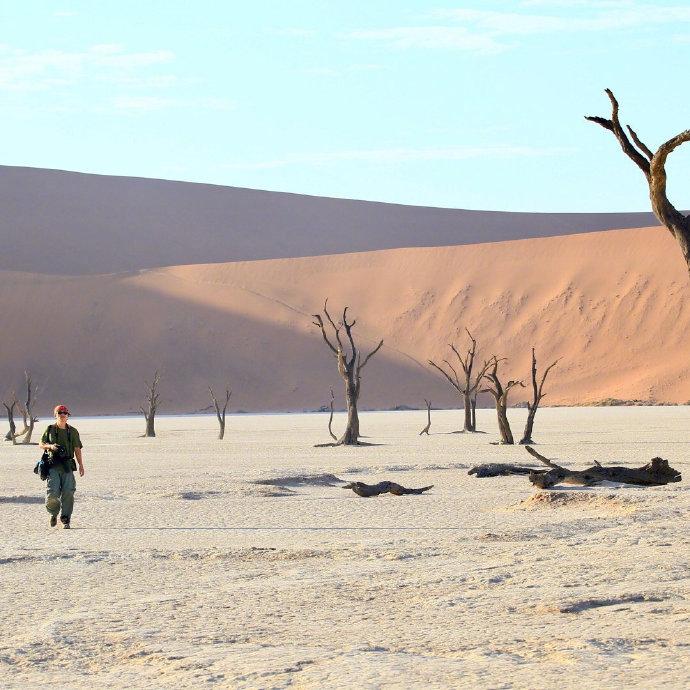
column 403, row 155
column 144, row 104
column 489, row 31
column 24, row 70
column 292, row 32
column 458, row 38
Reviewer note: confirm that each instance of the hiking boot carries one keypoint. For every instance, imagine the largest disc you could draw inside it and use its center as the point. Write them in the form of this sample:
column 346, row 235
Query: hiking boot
column 65, row 521
column 53, row 520
column 65, row 525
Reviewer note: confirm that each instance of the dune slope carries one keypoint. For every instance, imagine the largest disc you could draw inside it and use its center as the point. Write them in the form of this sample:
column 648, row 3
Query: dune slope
column 612, row 305
column 67, row 223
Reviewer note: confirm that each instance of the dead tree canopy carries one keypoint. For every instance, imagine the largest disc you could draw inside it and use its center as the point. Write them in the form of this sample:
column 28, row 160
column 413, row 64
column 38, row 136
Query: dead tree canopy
column 369, row 490
column 653, row 167
column 656, row 472
column 150, row 406
column 466, row 385
column 500, row 394
column 350, row 365
column 537, row 395
column 220, row 411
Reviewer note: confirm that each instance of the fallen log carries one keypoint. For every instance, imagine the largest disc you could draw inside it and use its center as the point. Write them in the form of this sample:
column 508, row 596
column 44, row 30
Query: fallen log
column 369, row 490
column 499, row 469
column 657, row 472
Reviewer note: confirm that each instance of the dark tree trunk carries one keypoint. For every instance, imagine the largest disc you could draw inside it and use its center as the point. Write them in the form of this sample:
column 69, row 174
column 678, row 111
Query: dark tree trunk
column 474, row 411
column 150, row 426
column 12, row 433
column 467, row 400
column 425, row 430
column 152, row 402
column 351, row 435
column 503, row 424
column 500, row 393
column 529, row 425
column 220, row 412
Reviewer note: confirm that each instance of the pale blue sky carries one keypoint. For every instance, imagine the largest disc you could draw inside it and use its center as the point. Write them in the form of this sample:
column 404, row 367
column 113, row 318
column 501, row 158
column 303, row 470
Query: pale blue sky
column 465, row 104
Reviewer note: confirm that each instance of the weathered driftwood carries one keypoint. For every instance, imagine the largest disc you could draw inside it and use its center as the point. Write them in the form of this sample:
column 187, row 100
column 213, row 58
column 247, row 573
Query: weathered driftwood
column 656, row 472
column 368, row 490
column 498, row 469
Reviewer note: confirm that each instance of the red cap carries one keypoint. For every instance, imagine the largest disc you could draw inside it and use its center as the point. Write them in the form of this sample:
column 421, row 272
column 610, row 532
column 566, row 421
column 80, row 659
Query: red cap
column 61, row 408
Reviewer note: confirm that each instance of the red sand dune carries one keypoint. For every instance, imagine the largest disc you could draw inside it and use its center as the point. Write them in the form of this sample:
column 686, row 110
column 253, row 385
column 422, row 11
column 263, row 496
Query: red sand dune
column 613, row 305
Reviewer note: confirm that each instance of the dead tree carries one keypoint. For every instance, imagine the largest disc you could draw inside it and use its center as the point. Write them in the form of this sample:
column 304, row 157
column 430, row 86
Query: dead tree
column 27, row 409
column 151, row 405
column 425, row 430
column 369, row 490
column 11, row 435
column 500, row 393
column 537, row 395
column 656, row 472
column 220, row 413
column 350, row 368
column 653, row 166
column 330, row 418
column 467, row 386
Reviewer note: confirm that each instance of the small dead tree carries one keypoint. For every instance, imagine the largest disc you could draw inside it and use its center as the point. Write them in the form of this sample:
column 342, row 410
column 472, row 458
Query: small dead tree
column 653, row 166
column 425, row 430
column 500, row 393
column 11, row 435
column 330, row 418
column 150, row 406
column 27, row 409
column 537, row 395
column 467, row 387
column 220, row 413
column 349, row 366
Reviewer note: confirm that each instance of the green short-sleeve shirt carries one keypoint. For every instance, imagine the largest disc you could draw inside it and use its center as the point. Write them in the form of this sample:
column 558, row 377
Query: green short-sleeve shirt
column 67, row 438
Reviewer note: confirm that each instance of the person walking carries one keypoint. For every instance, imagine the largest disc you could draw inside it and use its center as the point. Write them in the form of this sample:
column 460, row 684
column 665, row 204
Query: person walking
column 63, row 443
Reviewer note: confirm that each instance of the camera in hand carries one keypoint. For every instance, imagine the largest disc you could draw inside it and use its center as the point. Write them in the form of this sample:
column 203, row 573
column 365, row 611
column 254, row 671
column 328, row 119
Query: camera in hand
column 59, row 453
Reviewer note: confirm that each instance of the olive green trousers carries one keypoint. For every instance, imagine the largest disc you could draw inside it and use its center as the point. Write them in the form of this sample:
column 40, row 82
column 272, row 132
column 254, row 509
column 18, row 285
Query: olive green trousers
column 60, row 489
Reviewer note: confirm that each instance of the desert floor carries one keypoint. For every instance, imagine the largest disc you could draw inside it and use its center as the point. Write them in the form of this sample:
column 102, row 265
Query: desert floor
column 180, row 571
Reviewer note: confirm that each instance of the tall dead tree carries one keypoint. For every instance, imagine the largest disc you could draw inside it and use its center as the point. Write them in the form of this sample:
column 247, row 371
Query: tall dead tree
column 150, row 406
column 220, row 412
column 425, row 430
column 27, row 409
column 500, row 393
column 653, row 166
column 467, row 386
column 9, row 406
column 349, row 367
column 537, row 395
